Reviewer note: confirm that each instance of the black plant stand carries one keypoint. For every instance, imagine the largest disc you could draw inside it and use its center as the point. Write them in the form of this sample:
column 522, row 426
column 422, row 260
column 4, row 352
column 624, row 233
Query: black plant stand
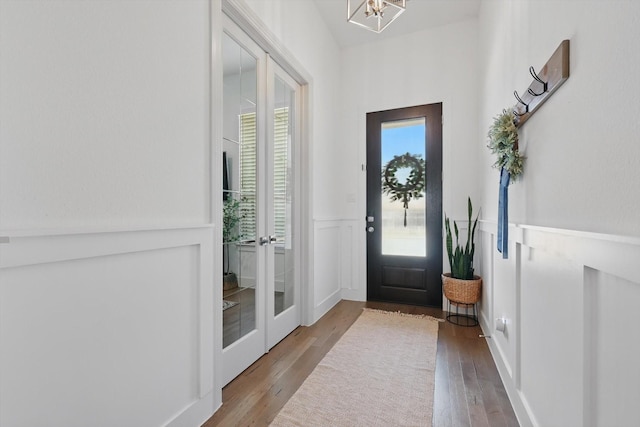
column 465, row 319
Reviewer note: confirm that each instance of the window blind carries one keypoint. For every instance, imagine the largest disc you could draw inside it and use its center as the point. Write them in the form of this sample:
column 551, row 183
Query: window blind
column 248, row 173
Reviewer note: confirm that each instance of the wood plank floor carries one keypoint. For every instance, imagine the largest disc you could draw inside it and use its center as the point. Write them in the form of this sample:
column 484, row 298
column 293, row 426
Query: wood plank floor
column 468, row 389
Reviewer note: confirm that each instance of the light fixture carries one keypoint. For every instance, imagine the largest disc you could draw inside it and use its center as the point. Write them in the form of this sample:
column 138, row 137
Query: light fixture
column 374, row 15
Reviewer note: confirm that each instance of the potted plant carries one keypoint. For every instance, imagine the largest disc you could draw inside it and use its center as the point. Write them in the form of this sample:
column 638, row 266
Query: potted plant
column 461, row 287
column 231, row 217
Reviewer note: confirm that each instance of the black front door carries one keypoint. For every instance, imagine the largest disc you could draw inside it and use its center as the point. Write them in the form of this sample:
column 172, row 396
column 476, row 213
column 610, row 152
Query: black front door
column 404, row 205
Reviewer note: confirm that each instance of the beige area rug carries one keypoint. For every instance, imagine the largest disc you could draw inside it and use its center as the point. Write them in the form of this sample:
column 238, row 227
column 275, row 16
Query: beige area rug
column 380, row 373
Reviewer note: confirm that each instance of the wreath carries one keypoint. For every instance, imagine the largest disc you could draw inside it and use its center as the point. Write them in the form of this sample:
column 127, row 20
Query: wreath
column 503, row 141
column 413, row 188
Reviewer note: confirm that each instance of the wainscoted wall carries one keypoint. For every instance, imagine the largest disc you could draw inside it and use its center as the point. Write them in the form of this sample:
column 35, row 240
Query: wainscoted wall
column 108, row 328
column 568, row 355
column 336, row 266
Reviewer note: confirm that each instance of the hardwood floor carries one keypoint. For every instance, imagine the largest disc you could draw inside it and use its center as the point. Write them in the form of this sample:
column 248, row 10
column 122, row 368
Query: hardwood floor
column 468, row 389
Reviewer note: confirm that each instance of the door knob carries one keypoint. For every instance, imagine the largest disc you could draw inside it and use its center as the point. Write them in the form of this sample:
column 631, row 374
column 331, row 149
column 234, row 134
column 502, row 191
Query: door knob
column 370, row 229
column 267, row 240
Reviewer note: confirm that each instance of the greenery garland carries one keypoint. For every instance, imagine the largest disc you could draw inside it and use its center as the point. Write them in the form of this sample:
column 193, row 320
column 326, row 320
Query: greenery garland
column 414, row 186
column 503, row 141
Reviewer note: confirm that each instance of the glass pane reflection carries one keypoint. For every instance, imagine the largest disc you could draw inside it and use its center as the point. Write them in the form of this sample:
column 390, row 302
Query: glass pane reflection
column 283, row 116
column 403, row 182
column 239, row 193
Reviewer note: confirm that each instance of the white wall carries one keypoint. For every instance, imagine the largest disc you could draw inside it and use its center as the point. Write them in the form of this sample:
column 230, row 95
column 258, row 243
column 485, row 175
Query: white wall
column 106, row 260
column 568, row 296
column 430, row 66
column 583, row 160
column 105, row 113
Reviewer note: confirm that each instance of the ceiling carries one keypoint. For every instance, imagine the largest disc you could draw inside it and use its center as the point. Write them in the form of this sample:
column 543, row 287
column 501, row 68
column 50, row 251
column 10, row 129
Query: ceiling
column 419, row 15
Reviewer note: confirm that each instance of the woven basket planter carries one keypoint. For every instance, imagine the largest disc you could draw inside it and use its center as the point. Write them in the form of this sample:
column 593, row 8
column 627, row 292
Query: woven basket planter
column 460, row 291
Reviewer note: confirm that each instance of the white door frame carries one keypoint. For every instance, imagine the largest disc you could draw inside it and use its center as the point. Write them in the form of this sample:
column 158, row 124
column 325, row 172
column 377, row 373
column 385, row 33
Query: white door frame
column 247, row 21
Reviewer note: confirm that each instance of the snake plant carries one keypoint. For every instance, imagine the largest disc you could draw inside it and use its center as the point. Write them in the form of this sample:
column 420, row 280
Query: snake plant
column 461, row 259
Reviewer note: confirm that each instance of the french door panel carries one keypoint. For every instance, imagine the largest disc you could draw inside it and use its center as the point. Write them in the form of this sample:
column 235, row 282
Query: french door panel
column 244, row 97
column 283, row 297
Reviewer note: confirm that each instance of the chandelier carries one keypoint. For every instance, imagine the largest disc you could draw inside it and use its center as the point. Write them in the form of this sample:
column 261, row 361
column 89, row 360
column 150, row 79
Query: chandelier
column 374, row 15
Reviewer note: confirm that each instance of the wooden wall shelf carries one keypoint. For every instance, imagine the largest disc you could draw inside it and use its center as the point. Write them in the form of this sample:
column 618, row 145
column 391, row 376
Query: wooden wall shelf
column 545, row 82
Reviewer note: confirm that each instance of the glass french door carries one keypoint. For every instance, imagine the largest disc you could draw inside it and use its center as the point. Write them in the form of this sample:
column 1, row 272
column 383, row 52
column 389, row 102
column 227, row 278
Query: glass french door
column 283, row 302
column 260, row 132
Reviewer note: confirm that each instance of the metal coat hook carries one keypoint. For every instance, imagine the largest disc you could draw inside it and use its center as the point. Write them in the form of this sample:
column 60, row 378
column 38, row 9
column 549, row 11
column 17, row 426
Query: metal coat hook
column 526, row 106
column 533, row 73
column 551, row 76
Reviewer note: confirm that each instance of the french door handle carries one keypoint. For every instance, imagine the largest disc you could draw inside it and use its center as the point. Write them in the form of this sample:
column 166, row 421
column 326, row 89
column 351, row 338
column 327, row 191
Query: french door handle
column 267, row 240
